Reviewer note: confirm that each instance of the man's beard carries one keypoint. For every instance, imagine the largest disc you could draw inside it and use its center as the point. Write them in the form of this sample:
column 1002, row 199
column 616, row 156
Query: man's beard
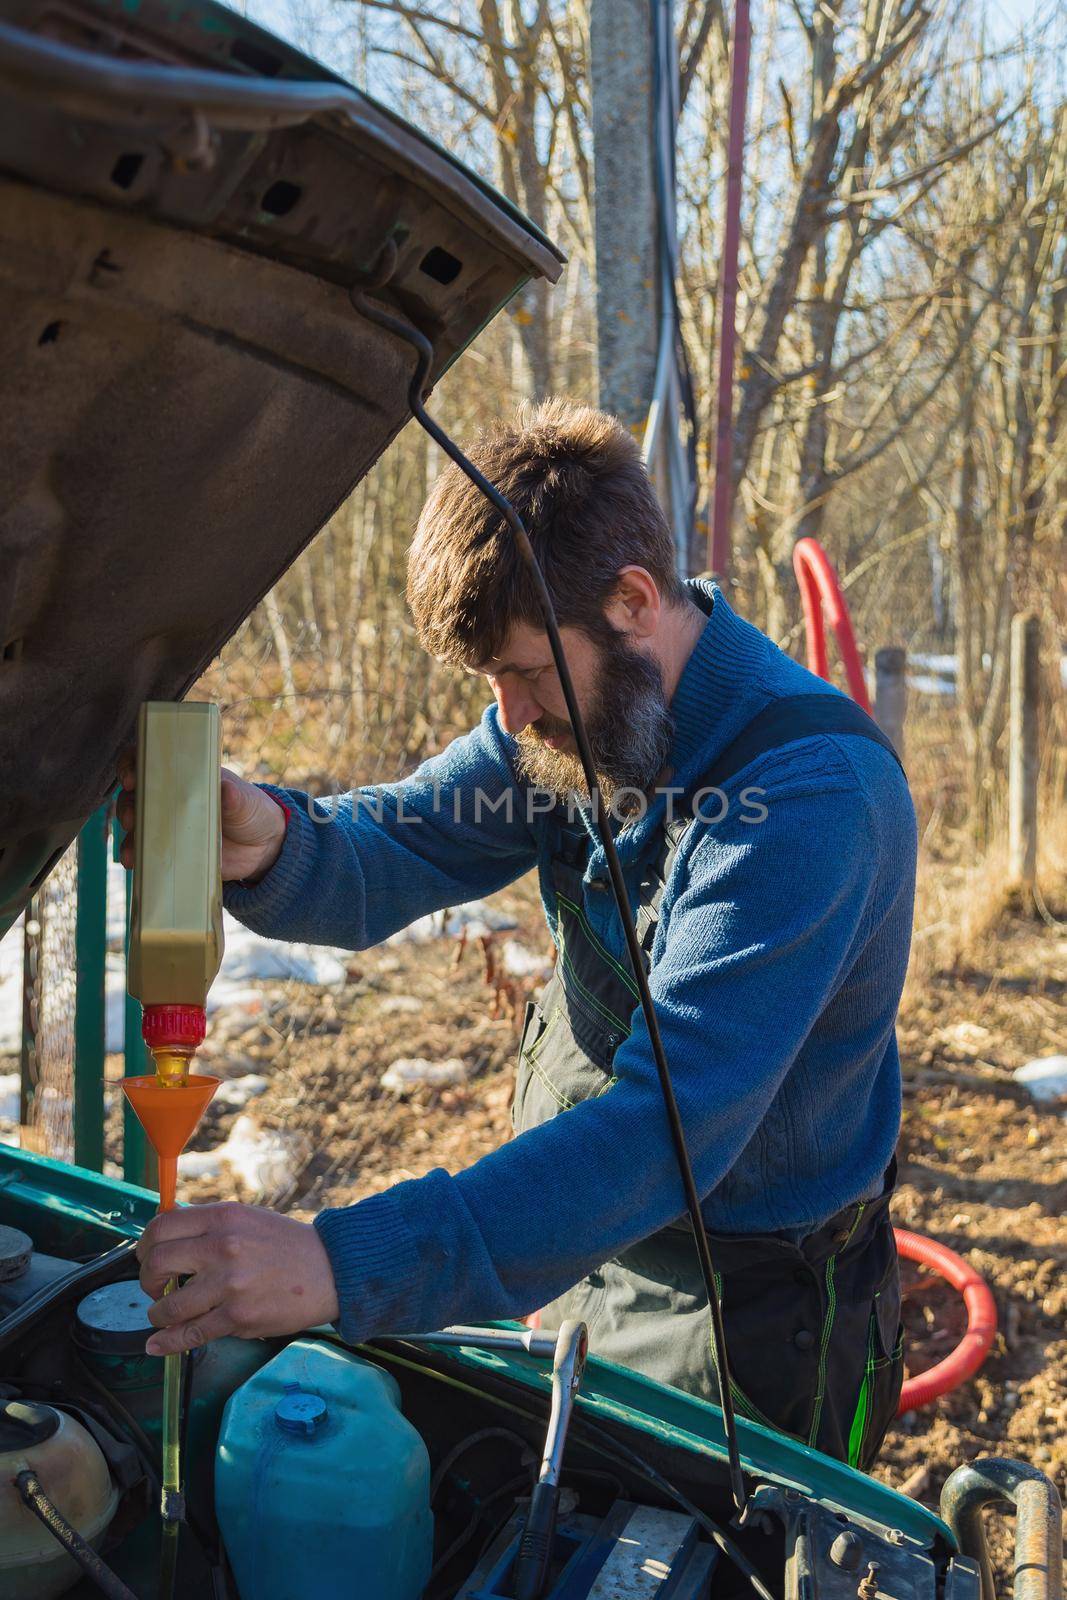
column 630, row 730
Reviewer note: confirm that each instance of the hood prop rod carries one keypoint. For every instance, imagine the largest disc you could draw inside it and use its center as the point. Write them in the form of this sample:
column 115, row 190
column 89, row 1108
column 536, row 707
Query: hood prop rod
column 424, row 351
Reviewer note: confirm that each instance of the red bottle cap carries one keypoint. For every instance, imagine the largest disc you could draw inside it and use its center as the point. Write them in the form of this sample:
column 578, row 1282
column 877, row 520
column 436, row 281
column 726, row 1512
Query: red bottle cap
column 174, row 1026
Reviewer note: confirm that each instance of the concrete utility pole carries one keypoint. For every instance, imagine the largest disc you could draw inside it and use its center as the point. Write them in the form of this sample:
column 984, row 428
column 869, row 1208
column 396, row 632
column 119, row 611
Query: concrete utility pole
column 620, row 39
column 1023, row 755
column 891, row 693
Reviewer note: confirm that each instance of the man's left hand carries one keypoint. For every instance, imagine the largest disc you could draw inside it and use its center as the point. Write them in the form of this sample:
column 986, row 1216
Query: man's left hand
column 250, row 1272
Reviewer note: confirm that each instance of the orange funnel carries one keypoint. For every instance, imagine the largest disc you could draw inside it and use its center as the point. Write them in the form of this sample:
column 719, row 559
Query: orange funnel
column 169, row 1114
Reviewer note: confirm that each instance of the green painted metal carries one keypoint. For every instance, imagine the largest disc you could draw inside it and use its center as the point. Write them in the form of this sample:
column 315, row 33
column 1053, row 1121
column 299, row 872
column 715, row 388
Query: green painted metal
column 90, row 955
column 68, row 1210
column 139, row 1164
column 31, row 961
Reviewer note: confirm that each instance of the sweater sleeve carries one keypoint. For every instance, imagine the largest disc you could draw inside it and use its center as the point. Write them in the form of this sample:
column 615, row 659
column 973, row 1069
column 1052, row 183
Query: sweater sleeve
column 355, row 867
column 745, row 970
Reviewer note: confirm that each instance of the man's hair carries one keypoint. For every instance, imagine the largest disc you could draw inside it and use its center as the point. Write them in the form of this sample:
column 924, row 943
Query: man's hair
column 576, row 478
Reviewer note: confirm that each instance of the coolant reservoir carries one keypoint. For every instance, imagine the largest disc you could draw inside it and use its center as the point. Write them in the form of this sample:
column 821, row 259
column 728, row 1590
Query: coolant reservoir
column 322, row 1486
column 176, row 912
column 74, row 1476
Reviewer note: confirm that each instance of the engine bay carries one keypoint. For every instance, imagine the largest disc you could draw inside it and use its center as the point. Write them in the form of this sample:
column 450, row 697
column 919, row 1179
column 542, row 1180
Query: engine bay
column 317, row 1470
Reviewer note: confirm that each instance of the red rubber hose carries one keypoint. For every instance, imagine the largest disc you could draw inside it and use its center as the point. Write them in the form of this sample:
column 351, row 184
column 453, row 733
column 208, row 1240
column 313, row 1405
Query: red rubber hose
column 964, row 1361
column 820, row 594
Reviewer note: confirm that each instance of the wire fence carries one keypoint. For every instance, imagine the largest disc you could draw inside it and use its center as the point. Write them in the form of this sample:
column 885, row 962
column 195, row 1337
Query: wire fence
column 50, row 987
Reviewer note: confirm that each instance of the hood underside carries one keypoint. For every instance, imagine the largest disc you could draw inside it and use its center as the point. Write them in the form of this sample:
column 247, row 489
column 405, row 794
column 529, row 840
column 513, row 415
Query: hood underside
column 186, row 392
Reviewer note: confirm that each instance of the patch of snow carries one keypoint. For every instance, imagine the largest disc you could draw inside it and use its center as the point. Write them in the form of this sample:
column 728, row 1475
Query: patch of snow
column 969, row 1036
column 394, row 1003
column 239, row 1091
column 1045, row 1078
column 9, row 1097
column 922, row 683
column 264, row 1159
column 249, row 956
column 518, row 961
column 407, row 1073
column 236, row 1001
column 475, row 918
column 11, row 990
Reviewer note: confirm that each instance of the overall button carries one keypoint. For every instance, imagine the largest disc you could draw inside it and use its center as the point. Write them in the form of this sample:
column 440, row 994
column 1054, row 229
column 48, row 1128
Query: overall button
column 804, row 1339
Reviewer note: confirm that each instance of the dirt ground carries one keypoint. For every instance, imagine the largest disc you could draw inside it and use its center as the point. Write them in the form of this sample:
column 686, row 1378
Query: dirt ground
column 982, row 1168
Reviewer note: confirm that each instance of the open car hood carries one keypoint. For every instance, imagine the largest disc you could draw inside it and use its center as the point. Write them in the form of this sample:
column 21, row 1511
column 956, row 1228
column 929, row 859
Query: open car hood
column 186, row 392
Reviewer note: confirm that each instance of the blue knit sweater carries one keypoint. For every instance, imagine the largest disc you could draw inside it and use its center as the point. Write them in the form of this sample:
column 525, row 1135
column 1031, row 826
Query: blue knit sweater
column 776, row 971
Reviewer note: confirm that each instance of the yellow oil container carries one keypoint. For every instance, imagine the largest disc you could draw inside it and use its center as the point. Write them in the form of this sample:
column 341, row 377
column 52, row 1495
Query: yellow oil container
column 176, row 905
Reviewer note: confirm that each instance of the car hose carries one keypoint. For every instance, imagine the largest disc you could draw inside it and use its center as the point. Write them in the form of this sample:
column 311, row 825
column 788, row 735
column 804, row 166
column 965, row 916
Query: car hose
column 34, row 1498
column 80, row 1281
column 977, row 1341
column 413, row 336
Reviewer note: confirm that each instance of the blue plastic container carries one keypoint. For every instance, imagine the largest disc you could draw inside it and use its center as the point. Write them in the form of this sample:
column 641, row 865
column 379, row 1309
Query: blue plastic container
column 322, row 1486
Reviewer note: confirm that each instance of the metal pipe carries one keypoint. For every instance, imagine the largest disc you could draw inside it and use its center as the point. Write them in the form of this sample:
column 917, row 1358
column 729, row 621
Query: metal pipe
column 539, row 1535
column 568, row 1364
column 722, row 492
column 94, row 85
column 1038, row 1566
column 34, row 1499
column 535, row 1341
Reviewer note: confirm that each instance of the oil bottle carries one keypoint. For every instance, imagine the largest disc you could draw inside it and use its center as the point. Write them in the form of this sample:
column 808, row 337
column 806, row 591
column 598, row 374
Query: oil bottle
column 176, row 911
column 175, row 951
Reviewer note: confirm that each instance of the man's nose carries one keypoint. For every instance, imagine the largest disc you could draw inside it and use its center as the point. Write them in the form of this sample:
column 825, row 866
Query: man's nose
column 518, row 708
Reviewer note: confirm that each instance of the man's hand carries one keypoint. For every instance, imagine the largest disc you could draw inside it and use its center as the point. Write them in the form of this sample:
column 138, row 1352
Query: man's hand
column 253, row 1273
column 253, row 825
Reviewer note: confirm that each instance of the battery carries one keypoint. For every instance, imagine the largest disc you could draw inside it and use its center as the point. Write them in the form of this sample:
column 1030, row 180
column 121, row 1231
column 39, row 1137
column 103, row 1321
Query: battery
column 636, row 1552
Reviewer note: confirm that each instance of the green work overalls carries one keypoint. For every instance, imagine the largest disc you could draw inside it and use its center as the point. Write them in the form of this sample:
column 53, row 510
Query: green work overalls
column 812, row 1325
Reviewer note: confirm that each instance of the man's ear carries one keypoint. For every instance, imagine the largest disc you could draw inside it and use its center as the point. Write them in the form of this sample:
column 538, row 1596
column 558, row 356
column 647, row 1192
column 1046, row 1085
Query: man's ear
column 634, row 605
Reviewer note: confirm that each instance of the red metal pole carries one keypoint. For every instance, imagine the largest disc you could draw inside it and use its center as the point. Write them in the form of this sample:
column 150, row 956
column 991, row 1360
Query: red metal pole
column 719, row 540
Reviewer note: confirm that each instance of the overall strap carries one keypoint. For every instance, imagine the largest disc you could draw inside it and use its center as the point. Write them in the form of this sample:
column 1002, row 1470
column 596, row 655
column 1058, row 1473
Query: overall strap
column 783, row 722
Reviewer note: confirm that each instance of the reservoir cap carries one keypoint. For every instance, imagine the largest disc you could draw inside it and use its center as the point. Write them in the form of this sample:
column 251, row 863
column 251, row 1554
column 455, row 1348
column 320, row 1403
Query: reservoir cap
column 114, row 1320
column 23, row 1424
column 300, row 1410
column 16, row 1248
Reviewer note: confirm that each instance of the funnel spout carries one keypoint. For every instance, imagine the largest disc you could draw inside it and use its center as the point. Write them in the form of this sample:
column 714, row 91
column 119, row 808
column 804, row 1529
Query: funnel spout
column 169, row 1115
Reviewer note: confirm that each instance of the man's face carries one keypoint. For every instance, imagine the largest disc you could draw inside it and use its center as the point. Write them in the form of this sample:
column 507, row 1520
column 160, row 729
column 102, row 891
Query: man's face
column 620, row 695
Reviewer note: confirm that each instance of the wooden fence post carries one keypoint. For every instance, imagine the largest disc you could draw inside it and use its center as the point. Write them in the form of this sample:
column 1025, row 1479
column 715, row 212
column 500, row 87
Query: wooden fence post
column 891, row 693
column 1025, row 694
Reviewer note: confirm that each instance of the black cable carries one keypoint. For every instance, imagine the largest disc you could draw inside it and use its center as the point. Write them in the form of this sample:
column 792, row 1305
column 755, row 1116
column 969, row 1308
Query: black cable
column 147, row 1453
column 81, row 1281
column 34, row 1498
column 465, row 1537
column 468, row 1444
column 412, row 336
column 150, row 1459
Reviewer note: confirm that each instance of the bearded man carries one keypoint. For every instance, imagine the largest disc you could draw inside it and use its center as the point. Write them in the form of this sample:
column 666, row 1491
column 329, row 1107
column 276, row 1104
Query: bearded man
column 767, row 839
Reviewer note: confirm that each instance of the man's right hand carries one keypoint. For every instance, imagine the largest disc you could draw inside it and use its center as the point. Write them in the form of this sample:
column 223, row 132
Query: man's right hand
column 253, row 825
